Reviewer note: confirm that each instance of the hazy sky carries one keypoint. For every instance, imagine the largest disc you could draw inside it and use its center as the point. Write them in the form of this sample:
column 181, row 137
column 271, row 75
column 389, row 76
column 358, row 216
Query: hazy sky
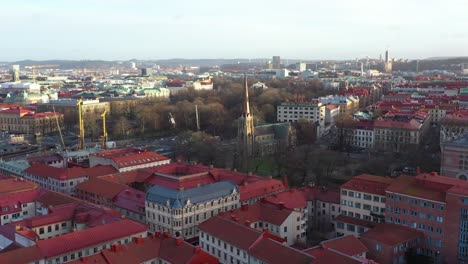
column 155, row 29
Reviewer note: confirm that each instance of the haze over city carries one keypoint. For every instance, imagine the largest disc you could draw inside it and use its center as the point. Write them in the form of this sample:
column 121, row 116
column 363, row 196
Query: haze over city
column 123, row 30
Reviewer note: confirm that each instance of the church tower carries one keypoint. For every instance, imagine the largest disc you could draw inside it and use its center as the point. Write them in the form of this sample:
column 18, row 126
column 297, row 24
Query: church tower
column 245, row 132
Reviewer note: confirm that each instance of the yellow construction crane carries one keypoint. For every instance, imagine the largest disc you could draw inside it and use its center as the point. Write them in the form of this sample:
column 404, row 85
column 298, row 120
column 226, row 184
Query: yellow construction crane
column 79, row 104
column 104, row 130
column 34, row 67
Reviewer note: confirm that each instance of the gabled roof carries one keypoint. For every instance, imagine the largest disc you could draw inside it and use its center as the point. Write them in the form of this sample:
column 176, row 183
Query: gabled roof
column 131, row 199
column 22, row 255
column 129, row 157
column 269, row 213
column 167, row 248
column 391, row 234
column 260, row 188
column 348, row 245
column 88, row 237
column 101, row 188
column 45, row 171
column 12, row 203
column 13, row 185
column 273, row 252
column 262, row 246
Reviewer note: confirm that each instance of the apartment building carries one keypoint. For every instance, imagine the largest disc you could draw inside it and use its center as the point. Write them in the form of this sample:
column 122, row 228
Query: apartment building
column 234, row 242
column 24, row 121
column 348, row 104
column 157, row 248
column 75, row 245
column 313, row 111
column 181, row 211
column 454, row 158
column 397, row 131
column 390, row 243
column 362, row 204
column 438, row 207
column 62, row 179
column 128, row 159
column 279, row 220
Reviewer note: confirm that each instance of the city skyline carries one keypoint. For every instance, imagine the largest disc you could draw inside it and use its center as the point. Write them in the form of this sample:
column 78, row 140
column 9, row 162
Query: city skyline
column 123, row 30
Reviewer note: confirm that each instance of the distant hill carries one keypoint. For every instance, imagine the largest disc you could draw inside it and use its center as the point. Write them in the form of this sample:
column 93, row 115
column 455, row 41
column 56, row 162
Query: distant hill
column 448, row 58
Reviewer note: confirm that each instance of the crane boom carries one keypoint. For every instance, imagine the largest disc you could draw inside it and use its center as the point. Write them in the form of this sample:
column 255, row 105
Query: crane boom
column 34, row 67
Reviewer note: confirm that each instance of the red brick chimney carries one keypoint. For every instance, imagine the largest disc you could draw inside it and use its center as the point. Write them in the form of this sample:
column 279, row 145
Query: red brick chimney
column 179, row 241
column 197, row 250
column 244, row 207
column 138, row 240
column 166, row 234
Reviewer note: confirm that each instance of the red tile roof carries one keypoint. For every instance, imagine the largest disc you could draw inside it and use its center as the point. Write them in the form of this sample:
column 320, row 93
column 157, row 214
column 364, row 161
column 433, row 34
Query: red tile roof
column 54, row 199
column 355, row 221
column 428, row 186
column 21, row 255
column 132, row 200
column 169, row 249
column 348, row 245
column 332, row 256
column 260, row 245
column 273, row 252
column 260, row 188
column 12, row 202
column 368, row 184
column 259, row 212
column 391, row 234
column 292, row 199
column 100, row 187
column 13, row 185
column 16, row 110
column 236, row 234
column 89, row 237
column 43, row 170
column 129, row 157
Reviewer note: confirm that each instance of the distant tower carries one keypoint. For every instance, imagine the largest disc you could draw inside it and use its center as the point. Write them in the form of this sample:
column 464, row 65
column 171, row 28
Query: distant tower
column 245, row 132
column 387, row 63
column 276, row 61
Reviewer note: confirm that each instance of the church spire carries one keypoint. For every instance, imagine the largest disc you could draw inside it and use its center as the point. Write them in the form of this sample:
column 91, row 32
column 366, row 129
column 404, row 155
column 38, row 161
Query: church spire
column 246, row 110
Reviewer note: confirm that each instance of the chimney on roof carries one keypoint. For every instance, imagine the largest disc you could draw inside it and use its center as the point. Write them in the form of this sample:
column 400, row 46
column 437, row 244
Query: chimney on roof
column 197, row 249
column 281, row 205
column 418, row 170
column 249, row 173
column 179, row 241
column 235, row 170
column 266, row 231
column 116, row 248
column 211, row 166
column 244, row 207
column 247, row 223
column 157, row 234
column 166, row 234
column 83, row 259
column 138, row 240
column 434, row 173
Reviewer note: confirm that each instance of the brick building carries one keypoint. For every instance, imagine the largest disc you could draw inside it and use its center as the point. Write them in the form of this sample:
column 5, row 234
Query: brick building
column 454, row 158
column 438, row 207
column 24, row 121
column 389, row 243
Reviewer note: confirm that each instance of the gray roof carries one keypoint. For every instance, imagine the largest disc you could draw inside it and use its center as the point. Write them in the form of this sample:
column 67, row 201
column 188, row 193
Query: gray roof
column 280, row 130
column 178, row 198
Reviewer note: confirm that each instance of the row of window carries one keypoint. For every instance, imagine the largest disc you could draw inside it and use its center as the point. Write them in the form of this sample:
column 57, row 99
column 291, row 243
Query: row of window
column 365, row 196
column 350, row 227
column 419, row 226
column 188, row 209
column 415, row 202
